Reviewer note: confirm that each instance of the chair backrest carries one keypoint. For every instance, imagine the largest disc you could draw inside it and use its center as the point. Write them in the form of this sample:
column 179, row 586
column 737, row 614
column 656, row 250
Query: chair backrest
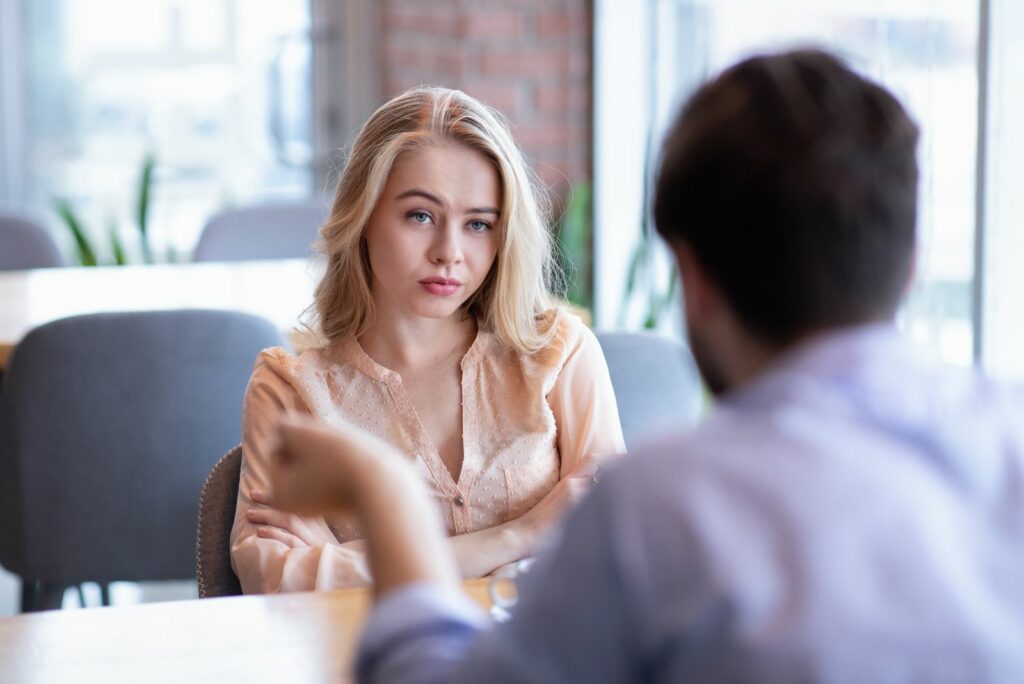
column 656, row 383
column 110, row 423
column 213, row 528
column 25, row 244
column 267, row 231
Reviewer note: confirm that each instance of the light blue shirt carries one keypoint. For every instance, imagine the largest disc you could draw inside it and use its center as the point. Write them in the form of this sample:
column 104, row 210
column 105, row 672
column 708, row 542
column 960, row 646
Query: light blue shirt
column 855, row 514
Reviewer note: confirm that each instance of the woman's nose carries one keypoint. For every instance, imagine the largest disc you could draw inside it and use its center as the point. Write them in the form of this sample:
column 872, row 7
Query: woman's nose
column 447, row 248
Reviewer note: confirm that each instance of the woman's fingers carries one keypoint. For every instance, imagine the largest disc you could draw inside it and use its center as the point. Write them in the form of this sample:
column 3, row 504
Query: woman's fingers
column 281, row 535
column 585, row 468
column 292, row 524
column 268, row 516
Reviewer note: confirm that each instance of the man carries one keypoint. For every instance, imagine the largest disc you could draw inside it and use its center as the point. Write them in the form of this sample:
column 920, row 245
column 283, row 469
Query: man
column 847, row 512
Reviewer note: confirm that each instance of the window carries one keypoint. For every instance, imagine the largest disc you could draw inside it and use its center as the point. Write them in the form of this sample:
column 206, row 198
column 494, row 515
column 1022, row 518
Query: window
column 219, row 93
column 927, row 52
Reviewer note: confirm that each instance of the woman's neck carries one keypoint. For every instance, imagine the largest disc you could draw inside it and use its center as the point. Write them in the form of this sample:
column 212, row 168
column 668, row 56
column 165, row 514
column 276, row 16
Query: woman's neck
column 416, row 345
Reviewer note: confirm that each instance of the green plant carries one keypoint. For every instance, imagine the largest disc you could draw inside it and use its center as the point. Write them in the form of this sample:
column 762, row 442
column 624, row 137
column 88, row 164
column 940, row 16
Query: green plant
column 643, row 283
column 85, row 247
column 142, row 205
column 646, row 284
column 573, row 232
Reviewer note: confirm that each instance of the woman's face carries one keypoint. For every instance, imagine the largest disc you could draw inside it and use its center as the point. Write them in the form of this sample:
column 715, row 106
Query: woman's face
column 433, row 235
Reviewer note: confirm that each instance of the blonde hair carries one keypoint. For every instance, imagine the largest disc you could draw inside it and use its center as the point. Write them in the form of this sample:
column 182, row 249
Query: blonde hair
column 514, row 300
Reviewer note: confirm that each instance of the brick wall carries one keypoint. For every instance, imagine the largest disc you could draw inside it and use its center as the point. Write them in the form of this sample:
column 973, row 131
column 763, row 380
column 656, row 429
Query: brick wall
column 529, row 58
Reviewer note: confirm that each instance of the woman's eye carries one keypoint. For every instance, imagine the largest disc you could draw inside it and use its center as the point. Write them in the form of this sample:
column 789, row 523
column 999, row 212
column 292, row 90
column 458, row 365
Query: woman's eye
column 479, row 226
column 419, row 217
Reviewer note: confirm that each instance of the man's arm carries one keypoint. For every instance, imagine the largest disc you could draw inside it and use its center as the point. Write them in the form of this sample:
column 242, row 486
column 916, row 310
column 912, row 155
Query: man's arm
column 573, row 621
column 317, row 470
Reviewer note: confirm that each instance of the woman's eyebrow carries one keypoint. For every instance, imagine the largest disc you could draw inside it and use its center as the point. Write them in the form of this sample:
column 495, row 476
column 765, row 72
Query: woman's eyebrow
column 415, row 192
column 421, row 193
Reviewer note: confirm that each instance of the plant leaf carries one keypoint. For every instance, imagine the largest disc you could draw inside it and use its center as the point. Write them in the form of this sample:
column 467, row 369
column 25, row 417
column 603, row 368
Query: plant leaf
column 574, row 236
column 116, row 245
column 83, row 246
column 142, row 204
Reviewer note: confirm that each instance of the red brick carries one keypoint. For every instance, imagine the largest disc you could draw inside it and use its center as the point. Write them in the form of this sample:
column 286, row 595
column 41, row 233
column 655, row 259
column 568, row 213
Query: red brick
column 529, row 58
column 416, row 20
column 506, row 97
column 533, row 62
column 485, row 25
column 562, row 98
column 563, row 24
column 553, row 178
column 540, row 134
column 440, row 58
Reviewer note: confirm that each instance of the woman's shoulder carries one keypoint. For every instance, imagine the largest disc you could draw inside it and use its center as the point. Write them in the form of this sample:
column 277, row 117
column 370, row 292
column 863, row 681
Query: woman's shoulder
column 568, row 333
column 280, row 362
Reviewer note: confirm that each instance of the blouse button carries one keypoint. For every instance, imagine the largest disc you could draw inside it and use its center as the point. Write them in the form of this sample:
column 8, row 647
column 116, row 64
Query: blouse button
column 458, row 500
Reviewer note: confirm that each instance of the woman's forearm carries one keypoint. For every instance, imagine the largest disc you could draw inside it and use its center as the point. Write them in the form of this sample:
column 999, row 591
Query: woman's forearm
column 484, row 551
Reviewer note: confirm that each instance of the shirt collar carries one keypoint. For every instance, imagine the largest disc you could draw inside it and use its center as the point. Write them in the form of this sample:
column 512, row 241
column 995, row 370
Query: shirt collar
column 870, row 355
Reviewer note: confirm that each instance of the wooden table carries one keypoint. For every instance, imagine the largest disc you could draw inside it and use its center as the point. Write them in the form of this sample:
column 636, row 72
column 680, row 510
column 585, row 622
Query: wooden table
column 277, row 290
column 294, row 638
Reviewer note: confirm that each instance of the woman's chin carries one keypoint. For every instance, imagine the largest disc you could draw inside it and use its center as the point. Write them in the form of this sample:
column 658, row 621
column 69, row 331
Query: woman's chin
column 440, row 310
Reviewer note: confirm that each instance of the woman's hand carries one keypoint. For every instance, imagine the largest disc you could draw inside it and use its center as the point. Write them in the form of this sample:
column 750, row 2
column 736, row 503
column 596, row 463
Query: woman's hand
column 289, row 529
column 569, row 490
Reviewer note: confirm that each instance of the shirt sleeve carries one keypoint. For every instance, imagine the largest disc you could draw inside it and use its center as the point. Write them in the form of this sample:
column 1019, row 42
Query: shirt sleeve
column 573, row 623
column 583, row 402
column 266, row 565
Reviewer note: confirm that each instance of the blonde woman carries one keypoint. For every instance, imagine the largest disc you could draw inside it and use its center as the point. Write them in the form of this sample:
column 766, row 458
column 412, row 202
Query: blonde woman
column 440, row 339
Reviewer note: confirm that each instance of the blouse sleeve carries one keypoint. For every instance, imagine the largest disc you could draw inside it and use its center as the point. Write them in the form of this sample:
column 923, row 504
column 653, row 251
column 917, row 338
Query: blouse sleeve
column 266, row 565
column 583, row 401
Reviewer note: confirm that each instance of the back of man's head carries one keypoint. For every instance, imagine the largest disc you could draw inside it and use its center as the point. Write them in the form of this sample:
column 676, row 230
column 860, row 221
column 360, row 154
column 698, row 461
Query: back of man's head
column 794, row 182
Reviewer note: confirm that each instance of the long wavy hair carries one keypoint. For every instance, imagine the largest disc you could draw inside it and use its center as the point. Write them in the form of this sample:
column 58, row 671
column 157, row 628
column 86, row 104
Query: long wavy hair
column 515, row 299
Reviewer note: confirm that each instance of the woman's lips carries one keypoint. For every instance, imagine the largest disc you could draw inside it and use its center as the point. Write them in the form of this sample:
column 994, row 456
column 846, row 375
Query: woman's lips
column 442, row 287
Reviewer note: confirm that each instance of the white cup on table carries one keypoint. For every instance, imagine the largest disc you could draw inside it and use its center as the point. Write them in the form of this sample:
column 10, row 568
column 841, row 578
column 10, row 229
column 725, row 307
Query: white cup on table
column 502, row 588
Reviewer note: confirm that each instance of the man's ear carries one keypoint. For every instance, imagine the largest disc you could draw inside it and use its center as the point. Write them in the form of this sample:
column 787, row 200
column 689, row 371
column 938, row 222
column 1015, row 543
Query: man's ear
column 700, row 298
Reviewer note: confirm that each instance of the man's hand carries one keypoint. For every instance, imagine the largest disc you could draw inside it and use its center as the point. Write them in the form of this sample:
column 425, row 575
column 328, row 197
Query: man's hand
column 317, row 470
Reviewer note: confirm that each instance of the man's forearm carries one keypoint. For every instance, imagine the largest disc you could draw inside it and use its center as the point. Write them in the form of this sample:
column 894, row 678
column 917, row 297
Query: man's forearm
column 405, row 540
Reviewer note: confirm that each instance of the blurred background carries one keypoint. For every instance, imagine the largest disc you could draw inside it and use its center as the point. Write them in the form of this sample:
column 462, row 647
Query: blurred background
column 204, row 105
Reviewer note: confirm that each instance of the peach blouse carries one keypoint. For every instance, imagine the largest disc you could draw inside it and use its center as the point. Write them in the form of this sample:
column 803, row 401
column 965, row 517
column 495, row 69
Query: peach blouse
column 527, row 419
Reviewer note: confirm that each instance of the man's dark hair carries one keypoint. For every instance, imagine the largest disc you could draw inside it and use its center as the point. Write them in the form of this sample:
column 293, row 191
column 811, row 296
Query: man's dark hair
column 794, row 181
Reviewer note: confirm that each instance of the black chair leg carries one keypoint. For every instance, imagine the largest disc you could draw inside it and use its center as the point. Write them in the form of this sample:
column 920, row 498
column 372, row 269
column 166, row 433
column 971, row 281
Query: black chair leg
column 39, row 595
column 104, row 594
column 28, row 595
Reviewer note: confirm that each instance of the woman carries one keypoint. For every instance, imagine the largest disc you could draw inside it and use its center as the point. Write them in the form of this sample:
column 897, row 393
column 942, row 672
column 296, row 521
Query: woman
column 441, row 340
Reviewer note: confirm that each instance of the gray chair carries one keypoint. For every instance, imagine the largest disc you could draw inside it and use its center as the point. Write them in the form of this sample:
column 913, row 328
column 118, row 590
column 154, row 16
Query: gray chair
column 109, row 423
column 213, row 528
column 267, row 231
column 656, row 383
column 25, row 244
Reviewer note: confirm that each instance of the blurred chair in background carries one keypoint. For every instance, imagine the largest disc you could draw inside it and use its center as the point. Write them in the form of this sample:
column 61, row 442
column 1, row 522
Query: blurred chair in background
column 267, row 231
column 656, row 384
column 213, row 528
column 25, row 244
column 110, row 423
